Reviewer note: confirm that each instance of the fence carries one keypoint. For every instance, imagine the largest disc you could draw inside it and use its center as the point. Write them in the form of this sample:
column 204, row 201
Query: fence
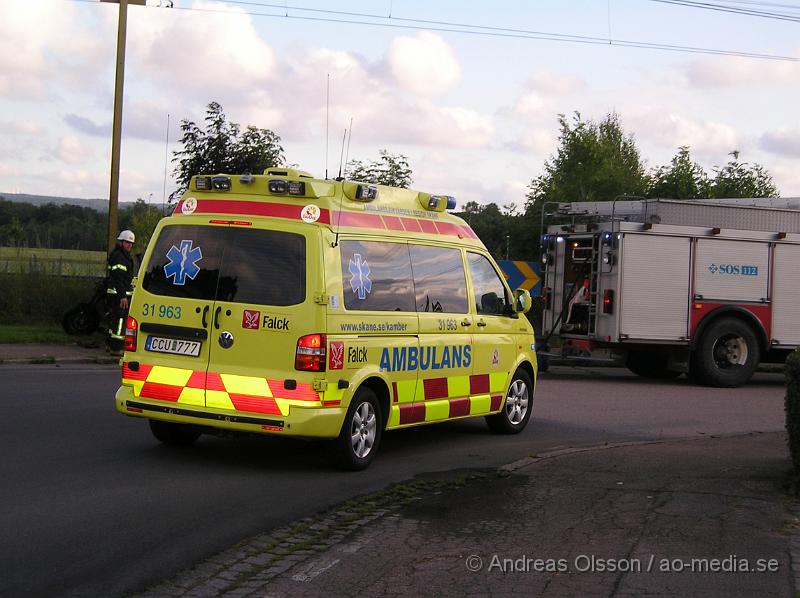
column 52, row 262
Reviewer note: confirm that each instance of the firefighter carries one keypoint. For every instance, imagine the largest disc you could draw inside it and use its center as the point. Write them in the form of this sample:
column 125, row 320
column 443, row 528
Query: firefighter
column 577, row 309
column 119, row 290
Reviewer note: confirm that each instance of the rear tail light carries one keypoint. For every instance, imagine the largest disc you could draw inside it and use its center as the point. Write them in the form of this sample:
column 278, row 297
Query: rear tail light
column 310, row 354
column 608, row 301
column 131, row 333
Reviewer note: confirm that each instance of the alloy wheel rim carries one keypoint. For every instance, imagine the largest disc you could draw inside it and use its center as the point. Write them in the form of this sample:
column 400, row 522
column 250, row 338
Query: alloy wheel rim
column 517, row 402
column 363, row 429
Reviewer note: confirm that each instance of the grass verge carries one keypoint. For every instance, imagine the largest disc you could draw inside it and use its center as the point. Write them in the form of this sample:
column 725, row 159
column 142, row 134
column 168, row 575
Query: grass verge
column 35, row 333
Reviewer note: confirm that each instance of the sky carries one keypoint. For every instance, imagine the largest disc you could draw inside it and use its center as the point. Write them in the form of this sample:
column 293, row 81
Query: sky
column 475, row 113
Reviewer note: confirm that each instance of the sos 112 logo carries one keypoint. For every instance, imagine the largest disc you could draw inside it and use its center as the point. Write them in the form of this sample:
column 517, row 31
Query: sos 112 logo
column 733, row 269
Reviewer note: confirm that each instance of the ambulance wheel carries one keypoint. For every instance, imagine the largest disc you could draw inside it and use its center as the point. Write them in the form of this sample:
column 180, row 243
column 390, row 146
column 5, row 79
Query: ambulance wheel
column 173, row 434
column 727, row 354
column 516, row 411
column 361, row 431
column 650, row 364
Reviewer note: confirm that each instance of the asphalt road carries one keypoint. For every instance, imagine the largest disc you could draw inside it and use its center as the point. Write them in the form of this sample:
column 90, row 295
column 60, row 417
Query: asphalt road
column 93, row 505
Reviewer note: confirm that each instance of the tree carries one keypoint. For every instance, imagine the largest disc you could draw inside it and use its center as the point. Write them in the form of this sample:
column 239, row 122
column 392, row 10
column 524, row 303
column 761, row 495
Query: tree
column 222, row 147
column 491, row 226
column 390, row 169
column 142, row 219
column 738, row 179
column 594, row 162
column 682, row 179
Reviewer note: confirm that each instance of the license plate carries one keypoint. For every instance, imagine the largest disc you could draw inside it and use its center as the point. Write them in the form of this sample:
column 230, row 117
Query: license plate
column 172, row 345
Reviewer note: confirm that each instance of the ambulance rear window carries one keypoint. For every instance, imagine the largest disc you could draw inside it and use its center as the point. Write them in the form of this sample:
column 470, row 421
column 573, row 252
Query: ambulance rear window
column 253, row 266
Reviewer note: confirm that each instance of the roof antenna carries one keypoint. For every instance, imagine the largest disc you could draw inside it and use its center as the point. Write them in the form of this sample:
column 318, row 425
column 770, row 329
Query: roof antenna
column 349, row 137
column 341, row 156
column 327, row 114
column 339, row 180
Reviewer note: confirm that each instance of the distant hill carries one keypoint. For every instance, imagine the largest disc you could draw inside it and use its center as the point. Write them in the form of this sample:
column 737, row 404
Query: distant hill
column 101, row 205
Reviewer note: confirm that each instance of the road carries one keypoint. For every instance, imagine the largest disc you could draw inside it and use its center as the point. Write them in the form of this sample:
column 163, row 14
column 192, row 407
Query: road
column 93, row 505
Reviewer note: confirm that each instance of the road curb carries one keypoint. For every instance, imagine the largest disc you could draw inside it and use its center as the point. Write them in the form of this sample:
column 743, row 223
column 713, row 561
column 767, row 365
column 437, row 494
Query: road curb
column 554, row 454
column 51, row 360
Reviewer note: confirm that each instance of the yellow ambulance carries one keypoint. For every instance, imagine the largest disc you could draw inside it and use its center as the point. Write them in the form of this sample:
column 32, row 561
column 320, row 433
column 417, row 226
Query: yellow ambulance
column 288, row 305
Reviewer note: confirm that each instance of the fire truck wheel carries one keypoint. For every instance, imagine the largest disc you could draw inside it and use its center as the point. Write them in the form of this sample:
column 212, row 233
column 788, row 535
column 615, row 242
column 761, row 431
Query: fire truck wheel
column 361, row 431
column 173, row 434
column 516, row 411
column 650, row 364
column 727, row 354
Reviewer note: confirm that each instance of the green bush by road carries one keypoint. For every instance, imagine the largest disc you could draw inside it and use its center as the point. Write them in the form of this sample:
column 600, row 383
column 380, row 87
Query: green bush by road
column 37, row 298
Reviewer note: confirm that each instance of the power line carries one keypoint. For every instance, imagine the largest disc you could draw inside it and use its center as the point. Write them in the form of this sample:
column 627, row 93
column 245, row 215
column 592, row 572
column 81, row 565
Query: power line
column 386, row 21
column 728, row 8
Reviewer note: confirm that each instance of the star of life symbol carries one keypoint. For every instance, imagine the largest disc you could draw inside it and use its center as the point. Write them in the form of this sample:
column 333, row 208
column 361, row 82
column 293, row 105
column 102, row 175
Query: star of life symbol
column 359, row 281
column 713, row 268
column 183, row 262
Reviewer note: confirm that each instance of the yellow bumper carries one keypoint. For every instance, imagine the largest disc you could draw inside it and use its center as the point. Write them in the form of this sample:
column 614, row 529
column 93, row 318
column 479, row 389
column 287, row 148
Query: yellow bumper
column 301, row 421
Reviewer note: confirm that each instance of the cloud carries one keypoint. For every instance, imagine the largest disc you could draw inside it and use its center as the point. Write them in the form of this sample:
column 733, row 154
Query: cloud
column 667, row 129
column 72, row 150
column 782, row 141
column 424, row 65
column 727, row 72
column 46, row 47
column 550, row 84
column 358, row 90
column 787, row 179
column 540, row 141
column 87, row 126
column 200, row 50
column 21, row 127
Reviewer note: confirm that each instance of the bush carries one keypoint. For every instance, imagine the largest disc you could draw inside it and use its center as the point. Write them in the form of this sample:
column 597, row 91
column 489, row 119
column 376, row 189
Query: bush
column 40, row 299
column 792, row 404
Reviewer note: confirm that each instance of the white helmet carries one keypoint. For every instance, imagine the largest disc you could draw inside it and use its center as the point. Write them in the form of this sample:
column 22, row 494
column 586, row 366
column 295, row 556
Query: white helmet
column 127, row 235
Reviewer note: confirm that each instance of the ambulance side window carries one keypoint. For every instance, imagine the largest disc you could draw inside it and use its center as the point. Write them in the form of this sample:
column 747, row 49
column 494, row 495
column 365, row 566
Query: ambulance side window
column 376, row 276
column 490, row 293
column 439, row 279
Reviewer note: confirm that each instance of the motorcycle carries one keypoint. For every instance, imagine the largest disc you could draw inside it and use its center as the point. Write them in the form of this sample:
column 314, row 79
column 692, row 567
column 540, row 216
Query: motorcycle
column 86, row 318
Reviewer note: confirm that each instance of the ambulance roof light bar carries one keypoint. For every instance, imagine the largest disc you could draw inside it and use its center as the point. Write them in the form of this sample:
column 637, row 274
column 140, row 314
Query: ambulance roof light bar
column 215, row 183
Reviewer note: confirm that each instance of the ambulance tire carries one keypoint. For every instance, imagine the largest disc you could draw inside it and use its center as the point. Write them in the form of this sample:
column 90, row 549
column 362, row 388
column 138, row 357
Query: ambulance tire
column 361, row 431
column 174, row 434
column 650, row 364
column 517, row 407
column 726, row 355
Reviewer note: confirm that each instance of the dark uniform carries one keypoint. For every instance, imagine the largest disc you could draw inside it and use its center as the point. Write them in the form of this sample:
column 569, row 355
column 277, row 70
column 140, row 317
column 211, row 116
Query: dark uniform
column 120, row 275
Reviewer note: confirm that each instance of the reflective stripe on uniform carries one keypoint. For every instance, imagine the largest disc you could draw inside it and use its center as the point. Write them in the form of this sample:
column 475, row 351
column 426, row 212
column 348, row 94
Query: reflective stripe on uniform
column 117, row 334
column 122, row 267
column 111, row 291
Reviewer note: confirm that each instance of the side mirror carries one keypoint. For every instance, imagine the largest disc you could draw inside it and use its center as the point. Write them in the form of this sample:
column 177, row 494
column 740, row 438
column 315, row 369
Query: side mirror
column 522, row 301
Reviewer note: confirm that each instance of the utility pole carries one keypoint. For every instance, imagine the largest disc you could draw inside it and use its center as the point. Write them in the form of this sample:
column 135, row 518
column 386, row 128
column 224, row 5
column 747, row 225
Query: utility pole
column 116, row 138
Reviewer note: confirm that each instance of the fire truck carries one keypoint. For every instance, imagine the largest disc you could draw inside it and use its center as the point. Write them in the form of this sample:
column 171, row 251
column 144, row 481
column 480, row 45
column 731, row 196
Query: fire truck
column 710, row 288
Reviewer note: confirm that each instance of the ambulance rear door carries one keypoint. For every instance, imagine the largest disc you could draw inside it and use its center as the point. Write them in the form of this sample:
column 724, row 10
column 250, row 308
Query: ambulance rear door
column 264, row 307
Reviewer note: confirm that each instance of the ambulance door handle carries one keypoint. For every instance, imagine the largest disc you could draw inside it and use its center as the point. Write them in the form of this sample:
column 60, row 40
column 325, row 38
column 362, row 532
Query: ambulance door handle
column 465, row 323
column 205, row 313
column 216, row 316
column 481, row 323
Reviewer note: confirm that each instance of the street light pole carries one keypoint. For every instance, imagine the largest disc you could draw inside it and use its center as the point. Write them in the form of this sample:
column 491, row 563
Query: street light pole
column 116, row 134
